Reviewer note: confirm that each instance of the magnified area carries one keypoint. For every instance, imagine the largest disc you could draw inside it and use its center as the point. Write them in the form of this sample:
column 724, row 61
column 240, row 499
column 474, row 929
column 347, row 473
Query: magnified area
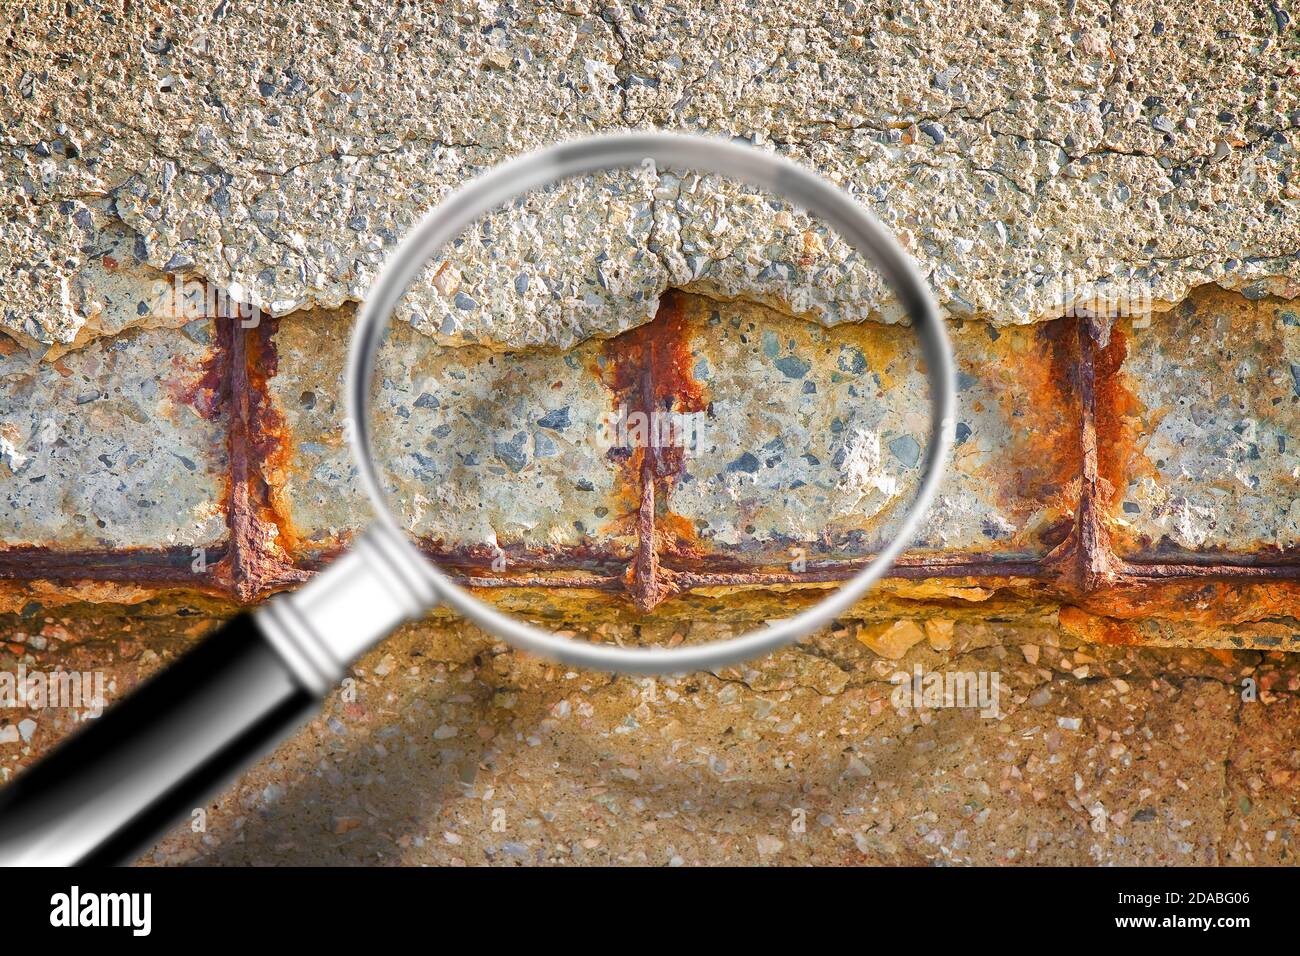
column 486, row 449
column 637, row 386
column 592, row 255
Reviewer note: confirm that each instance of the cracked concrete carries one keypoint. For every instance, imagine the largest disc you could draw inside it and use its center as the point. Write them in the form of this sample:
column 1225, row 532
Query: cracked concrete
column 1031, row 157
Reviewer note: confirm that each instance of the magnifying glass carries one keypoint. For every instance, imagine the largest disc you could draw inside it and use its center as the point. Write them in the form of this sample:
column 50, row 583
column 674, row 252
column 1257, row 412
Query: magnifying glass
column 107, row 792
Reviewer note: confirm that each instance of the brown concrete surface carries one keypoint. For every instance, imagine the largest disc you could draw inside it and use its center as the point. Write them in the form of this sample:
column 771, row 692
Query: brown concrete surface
column 454, row 750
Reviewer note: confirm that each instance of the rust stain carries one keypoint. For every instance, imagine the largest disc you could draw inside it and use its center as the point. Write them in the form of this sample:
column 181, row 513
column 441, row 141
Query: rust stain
column 1206, row 603
column 649, row 370
column 1088, row 564
column 680, row 541
column 258, row 560
column 209, row 394
column 631, row 353
column 266, row 425
column 128, row 565
column 935, row 565
column 1045, row 405
column 1098, row 630
column 881, row 345
column 1104, row 599
column 643, row 574
column 1119, row 416
column 586, row 582
column 1212, row 590
column 266, row 434
column 476, row 559
column 20, row 597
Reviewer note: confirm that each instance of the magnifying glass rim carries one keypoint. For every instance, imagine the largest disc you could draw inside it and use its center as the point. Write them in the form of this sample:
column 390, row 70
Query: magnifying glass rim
column 809, row 191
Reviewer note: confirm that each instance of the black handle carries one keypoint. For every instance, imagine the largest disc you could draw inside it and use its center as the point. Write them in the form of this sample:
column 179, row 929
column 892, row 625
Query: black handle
column 107, row 793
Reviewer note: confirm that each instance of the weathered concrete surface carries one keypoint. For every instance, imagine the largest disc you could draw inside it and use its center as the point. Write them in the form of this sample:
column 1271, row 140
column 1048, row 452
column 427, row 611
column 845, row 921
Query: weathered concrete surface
column 114, row 288
column 480, row 449
column 1101, row 755
column 555, row 267
column 1028, row 157
column 1201, row 423
column 120, row 444
column 815, row 438
column 592, row 256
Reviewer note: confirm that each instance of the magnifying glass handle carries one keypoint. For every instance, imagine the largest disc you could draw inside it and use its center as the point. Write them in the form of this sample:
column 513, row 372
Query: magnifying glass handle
column 154, row 757
column 113, row 788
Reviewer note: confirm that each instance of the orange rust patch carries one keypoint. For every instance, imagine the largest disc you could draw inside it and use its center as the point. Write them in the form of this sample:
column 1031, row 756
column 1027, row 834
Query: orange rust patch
column 269, row 441
column 209, row 393
column 881, row 345
column 649, row 367
column 677, row 537
column 1049, row 464
column 1098, row 630
column 1042, row 399
column 1207, row 603
column 1119, row 417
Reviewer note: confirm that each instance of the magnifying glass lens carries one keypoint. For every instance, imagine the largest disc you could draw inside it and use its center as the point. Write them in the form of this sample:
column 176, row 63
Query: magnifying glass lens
column 618, row 402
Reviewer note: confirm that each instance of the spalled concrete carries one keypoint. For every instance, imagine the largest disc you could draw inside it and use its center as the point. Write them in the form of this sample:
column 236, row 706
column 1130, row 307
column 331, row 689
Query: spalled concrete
column 1058, row 171
column 120, row 444
column 1203, row 448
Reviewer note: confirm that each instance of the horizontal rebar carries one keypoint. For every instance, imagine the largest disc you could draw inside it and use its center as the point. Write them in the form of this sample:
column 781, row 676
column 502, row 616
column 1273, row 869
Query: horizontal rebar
column 249, row 565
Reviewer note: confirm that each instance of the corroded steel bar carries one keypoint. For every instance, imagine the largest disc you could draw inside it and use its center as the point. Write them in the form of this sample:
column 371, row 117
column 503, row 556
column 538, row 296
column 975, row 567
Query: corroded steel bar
column 252, row 564
column 1096, row 561
column 179, row 565
column 598, row 583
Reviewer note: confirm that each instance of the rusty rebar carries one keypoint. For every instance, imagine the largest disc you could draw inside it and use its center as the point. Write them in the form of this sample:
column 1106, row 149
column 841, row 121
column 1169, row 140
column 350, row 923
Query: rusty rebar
column 251, row 563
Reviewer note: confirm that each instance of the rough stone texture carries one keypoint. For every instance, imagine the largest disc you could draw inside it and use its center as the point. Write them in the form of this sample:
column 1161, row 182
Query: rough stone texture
column 1030, row 157
column 114, row 289
column 592, row 255
column 1205, row 448
column 813, row 437
column 1036, row 159
column 1101, row 755
column 120, row 444
column 555, row 267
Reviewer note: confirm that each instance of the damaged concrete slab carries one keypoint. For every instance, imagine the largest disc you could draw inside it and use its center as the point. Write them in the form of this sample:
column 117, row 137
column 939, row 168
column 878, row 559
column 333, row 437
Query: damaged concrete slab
column 1028, row 161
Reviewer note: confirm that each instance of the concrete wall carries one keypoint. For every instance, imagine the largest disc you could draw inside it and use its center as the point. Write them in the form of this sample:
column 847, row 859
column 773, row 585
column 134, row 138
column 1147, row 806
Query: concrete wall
column 1039, row 162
